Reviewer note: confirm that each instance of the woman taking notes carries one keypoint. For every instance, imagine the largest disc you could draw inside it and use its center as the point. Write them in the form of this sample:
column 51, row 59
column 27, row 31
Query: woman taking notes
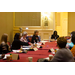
column 17, row 43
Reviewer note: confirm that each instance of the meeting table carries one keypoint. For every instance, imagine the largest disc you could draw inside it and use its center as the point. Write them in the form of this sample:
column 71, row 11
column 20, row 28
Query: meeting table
column 40, row 53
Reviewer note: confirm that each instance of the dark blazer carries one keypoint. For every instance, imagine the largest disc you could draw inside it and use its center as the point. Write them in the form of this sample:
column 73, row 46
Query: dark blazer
column 36, row 38
column 4, row 49
column 17, row 44
column 54, row 37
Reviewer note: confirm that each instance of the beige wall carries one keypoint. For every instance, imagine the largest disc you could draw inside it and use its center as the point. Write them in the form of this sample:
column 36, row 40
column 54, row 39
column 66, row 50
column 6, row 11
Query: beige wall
column 6, row 24
column 71, row 21
column 61, row 23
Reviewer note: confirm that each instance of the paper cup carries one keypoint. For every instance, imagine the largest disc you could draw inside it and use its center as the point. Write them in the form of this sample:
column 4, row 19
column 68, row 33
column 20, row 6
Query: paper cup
column 8, row 58
column 30, row 59
column 50, row 57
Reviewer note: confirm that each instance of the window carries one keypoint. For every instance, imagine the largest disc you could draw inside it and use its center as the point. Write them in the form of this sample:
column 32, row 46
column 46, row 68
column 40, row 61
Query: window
column 27, row 18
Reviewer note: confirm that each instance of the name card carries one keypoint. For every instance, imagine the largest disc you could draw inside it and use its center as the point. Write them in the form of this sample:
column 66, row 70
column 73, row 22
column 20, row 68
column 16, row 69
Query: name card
column 35, row 49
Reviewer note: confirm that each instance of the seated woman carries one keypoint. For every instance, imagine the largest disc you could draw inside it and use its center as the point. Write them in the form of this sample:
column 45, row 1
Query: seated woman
column 63, row 54
column 70, row 45
column 35, row 37
column 23, row 38
column 17, row 43
column 4, row 48
column 54, row 36
column 73, row 49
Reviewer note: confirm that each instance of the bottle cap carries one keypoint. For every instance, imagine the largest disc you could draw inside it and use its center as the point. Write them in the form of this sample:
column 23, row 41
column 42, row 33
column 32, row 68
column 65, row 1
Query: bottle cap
column 10, row 54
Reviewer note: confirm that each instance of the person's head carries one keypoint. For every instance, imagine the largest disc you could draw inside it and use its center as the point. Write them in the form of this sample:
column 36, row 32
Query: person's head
column 4, row 38
column 73, row 32
column 73, row 39
column 36, row 33
column 61, row 42
column 24, row 34
column 55, row 33
column 17, row 36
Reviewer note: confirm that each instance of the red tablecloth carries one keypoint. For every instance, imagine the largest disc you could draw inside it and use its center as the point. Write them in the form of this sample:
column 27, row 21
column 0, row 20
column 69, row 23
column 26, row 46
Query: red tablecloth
column 41, row 53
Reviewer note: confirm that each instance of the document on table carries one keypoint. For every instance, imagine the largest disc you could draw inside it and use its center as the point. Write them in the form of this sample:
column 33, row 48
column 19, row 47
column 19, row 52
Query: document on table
column 15, row 51
column 6, row 56
column 44, row 41
column 35, row 49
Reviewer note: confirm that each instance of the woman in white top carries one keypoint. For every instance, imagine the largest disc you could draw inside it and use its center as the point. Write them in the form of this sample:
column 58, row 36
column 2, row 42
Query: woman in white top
column 23, row 38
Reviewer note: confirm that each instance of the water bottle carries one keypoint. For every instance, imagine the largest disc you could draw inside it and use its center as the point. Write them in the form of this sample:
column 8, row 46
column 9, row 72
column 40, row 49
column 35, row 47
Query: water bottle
column 10, row 56
column 37, row 41
column 55, row 38
column 35, row 44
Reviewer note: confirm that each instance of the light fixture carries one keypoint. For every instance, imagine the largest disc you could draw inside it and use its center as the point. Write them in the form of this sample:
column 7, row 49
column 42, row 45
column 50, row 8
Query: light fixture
column 26, row 28
column 46, row 21
column 20, row 30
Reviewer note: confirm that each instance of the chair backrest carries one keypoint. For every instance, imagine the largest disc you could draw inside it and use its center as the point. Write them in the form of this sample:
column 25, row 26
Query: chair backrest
column 67, row 37
column 29, row 38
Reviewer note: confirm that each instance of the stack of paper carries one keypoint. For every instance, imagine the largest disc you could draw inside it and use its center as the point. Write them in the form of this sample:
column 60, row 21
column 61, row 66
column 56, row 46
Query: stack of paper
column 35, row 49
column 6, row 56
column 44, row 41
column 17, row 51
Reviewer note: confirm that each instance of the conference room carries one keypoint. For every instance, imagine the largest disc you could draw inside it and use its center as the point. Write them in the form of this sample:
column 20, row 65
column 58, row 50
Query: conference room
column 37, row 36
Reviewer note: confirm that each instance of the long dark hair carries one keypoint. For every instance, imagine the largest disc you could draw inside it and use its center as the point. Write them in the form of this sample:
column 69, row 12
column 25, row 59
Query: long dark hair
column 55, row 32
column 4, row 38
column 73, row 32
column 17, row 36
column 73, row 38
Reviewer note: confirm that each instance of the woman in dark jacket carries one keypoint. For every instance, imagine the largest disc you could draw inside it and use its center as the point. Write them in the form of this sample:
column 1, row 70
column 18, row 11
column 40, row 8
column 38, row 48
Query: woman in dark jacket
column 4, row 48
column 35, row 37
column 54, row 36
column 17, row 43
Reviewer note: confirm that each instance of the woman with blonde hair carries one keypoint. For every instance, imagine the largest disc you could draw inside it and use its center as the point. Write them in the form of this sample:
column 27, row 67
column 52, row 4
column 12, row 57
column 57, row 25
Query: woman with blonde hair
column 23, row 38
column 4, row 48
column 35, row 37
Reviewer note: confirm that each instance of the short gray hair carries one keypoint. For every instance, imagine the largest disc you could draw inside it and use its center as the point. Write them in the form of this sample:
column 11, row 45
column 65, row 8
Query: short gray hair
column 24, row 33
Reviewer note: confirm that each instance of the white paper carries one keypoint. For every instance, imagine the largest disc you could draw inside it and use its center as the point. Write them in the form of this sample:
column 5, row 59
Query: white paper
column 44, row 41
column 6, row 56
column 35, row 49
column 52, row 49
column 53, row 52
column 16, row 51
column 38, row 44
column 25, row 48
